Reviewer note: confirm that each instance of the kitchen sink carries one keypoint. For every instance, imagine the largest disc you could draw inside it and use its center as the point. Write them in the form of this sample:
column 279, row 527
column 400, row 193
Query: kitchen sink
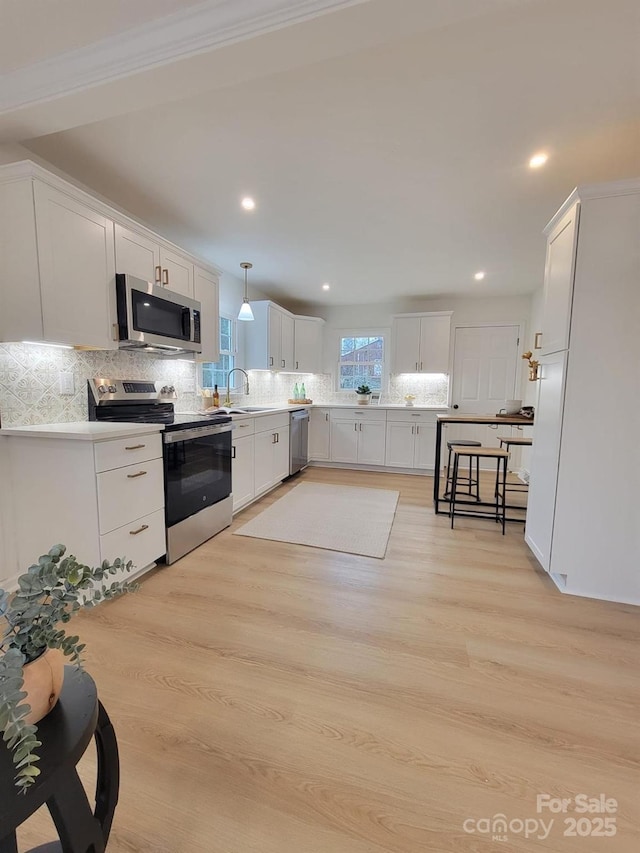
column 247, row 410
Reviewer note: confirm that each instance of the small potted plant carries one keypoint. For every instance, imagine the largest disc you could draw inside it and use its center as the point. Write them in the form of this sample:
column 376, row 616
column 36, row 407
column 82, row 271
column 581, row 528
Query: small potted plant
column 33, row 646
column 364, row 394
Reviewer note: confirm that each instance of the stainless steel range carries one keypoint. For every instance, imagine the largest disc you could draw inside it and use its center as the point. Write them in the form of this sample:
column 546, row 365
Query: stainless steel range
column 196, row 455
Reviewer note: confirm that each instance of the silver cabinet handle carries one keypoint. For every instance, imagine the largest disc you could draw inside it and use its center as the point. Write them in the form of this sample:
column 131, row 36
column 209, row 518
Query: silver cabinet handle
column 360, row 427
column 416, row 366
column 412, row 429
column 233, row 452
column 326, row 416
column 355, row 426
column 139, row 530
column 283, row 362
column 165, row 277
column 133, row 476
column 417, row 429
column 296, row 365
column 273, row 438
column 537, row 338
column 135, row 447
column 158, row 274
column 270, row 361
column 420, row 365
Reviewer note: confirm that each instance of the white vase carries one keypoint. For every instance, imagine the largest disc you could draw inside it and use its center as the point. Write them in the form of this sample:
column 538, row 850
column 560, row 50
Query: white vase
column 363, row 399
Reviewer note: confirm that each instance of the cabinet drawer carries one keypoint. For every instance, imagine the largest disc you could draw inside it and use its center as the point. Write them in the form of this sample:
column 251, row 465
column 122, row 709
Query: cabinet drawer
column 130, row 492
column 271, row 423
column 359, row 413
column 141, row 541
column 410, row 417
column 127, row 451
column 243, row 427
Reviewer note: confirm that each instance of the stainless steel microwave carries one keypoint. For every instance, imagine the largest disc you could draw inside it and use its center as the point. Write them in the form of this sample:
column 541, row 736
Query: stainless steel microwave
column 155, row 319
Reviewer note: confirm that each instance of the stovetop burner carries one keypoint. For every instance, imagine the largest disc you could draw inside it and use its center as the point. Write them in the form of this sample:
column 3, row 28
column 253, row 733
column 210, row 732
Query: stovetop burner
column 135, row 401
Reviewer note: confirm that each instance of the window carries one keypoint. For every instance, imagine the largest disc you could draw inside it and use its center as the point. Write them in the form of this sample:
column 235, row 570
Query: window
column 215, row 373
column 361, row 362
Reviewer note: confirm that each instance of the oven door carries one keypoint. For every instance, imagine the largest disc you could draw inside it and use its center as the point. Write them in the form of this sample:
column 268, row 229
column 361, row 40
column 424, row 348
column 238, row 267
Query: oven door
column 197, row 469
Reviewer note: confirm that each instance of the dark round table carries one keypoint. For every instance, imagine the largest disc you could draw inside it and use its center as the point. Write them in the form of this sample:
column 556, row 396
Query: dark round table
column 65, row 734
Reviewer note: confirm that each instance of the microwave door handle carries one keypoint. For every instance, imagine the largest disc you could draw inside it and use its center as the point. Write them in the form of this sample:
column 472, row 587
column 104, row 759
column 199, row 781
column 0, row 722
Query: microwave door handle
column 187, row 324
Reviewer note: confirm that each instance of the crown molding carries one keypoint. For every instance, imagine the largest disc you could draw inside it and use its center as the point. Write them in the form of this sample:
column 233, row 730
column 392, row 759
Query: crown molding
column 630, row 186
column 205, row 27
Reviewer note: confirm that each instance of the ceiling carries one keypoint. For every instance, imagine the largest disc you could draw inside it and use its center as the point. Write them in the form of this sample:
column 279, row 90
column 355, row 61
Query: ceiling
column 386, row 143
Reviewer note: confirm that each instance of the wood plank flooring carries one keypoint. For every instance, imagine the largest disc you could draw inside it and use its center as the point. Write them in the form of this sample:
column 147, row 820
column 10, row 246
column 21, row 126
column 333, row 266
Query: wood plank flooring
column 280, row 699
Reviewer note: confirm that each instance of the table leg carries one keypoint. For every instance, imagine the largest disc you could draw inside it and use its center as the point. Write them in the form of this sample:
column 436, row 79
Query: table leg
column 436, row 473
column 78, row 829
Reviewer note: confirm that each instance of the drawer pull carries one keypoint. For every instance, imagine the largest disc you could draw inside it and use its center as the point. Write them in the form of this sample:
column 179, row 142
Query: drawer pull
column 136, row 447
column 133, row 476
column 139, row 530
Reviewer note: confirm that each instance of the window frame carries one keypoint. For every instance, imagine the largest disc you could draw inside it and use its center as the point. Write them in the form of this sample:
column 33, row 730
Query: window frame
column 233, row 354
column 364, row 333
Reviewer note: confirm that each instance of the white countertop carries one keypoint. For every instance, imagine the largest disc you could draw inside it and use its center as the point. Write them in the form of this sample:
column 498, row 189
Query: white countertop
column 82, row 430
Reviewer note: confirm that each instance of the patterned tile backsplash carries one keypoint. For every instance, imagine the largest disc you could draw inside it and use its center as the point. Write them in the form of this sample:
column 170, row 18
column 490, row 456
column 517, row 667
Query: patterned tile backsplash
column 30, row 383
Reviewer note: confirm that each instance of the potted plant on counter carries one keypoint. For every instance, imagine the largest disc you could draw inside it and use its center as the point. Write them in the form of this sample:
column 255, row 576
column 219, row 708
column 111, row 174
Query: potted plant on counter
column 33, row 646
column 364, row 394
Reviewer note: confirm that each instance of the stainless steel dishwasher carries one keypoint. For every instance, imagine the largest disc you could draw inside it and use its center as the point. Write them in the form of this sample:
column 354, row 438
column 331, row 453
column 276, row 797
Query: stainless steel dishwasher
column 298, row 440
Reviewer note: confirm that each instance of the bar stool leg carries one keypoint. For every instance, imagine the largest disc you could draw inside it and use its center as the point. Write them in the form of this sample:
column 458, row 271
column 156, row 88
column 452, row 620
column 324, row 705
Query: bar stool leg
column 504, row 494
column 478, row 479
column 447, row 492
column 454, row 488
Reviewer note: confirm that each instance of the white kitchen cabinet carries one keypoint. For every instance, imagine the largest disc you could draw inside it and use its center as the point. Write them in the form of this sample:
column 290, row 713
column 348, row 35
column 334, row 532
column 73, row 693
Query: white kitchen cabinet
column 420, row 343
column 319, row 434
column 242, row 470
column 271, row 451
column 358, row 437
column 141, row 254
column 58, row 266
column 113, row 497
column 206, row 293
column 308, row 344
column 270, row 339
column 582, row 519
column 411, row 439
column 558, row 283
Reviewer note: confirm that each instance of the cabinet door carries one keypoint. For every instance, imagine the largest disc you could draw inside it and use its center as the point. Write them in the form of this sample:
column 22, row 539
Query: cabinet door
column 545, row 457
column 558, row 283
column 307, row 345
column 344, row 441
column 273, row 343
column 263, row 469
column 281, row 455
column 371, row 442
column 206, row 292
column 177, row 272
column 77, row 270
column 400, row 445
column 242, row 471
column 425, row 453
column 406, row 345
column 319, row 434
column 286, row 342
column 137, row 255
column 434, row 344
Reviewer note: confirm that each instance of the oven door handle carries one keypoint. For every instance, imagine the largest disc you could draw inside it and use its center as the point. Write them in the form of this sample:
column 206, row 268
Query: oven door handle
column 196, row 432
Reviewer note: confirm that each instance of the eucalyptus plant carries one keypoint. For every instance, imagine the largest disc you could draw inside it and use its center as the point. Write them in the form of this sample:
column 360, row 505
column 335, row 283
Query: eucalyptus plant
column 363, row 389
column 49, row 593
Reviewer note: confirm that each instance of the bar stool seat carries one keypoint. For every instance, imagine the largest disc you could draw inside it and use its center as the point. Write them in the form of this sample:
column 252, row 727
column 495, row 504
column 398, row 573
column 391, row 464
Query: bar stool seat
column 471, row 482
column 501, row 456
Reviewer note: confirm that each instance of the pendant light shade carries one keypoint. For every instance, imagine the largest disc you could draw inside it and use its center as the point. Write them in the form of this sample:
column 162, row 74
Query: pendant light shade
column 245, row 309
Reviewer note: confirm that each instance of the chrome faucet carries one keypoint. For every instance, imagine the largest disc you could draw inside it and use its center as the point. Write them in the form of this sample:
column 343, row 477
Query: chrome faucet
column 227, row 401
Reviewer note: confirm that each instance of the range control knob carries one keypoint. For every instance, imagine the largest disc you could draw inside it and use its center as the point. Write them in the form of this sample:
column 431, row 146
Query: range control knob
column 167, row 389
column 112, row 389
column 102, row 389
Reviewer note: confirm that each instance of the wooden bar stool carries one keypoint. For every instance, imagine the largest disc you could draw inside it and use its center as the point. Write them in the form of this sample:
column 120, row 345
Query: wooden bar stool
column 469, row 480
column 501, row 456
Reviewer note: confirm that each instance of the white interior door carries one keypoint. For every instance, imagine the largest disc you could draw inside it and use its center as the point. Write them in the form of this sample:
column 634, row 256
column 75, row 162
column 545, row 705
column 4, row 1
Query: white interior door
column 485, row 370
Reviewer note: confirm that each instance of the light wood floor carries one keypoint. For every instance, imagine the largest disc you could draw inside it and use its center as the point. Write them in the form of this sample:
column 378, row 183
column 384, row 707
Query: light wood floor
column 274, row 698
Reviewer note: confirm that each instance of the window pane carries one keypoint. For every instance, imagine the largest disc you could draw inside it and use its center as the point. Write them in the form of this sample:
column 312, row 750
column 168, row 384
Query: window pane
column 361, row 362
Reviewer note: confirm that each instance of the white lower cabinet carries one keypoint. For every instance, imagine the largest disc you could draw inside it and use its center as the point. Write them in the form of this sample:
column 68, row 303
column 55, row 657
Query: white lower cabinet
column 260, row 456
column 82, row 494
column 358, row 437
column 411, row 440
column 320, row 434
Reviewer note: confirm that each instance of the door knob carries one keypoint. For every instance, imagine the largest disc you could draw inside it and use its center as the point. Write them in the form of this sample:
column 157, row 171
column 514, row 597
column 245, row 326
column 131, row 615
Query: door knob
column 455, row 406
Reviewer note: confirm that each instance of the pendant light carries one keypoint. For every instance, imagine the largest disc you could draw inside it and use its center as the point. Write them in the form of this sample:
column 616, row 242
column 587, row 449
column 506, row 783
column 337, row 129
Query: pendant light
column 245, row 309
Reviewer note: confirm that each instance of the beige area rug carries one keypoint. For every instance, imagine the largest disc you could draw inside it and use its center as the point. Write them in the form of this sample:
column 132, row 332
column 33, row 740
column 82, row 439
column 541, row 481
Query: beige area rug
column 337, row 518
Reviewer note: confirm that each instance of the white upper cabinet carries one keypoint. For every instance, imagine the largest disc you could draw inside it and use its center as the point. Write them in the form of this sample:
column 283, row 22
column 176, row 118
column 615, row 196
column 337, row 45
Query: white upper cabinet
column 558, row 283
column 308, row 344
column 146, row 257
column 271, row 340
column 58, row 267
column 206, row 292
column 421, row 343
column 60, row 250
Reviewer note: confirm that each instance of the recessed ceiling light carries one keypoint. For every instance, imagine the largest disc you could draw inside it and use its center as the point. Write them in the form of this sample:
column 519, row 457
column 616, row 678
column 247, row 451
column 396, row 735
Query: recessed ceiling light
column 538, row 160
column 326, row 286
column 248, row 203
column 479, row 276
